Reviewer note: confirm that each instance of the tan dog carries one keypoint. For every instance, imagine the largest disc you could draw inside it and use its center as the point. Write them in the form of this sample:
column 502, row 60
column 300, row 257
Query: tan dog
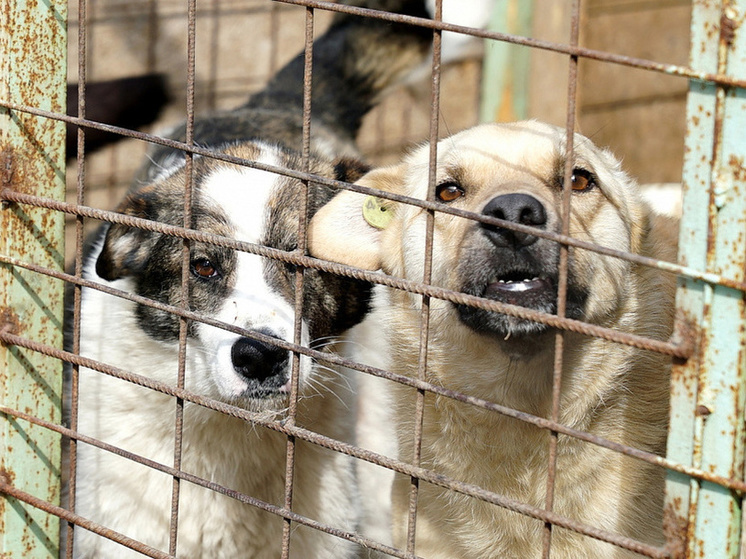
column 514, row 172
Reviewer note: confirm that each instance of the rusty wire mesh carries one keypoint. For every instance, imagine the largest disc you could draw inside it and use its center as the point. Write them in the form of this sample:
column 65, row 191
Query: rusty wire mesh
column 214, row 96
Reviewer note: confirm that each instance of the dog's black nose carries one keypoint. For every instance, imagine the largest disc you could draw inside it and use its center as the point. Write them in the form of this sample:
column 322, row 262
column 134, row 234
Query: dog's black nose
column 518, row 208
column 257, row 360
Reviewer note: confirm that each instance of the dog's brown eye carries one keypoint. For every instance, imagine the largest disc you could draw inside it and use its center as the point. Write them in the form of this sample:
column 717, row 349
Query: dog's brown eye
column 582, row 180
column 203, row 268
column 449, row 191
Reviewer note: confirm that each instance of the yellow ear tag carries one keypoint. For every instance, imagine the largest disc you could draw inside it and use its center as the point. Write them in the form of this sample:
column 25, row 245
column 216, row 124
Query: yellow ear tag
column 376, row 213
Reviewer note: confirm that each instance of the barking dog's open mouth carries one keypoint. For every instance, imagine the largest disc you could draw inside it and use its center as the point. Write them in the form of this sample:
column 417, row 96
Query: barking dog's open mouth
column 524, row 288
column 522, row 285
column 519, row 286
column 516, row 285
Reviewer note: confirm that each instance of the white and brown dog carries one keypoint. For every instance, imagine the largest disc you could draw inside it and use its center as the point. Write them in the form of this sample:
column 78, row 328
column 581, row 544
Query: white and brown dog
column 514, row 172
column 355, row 61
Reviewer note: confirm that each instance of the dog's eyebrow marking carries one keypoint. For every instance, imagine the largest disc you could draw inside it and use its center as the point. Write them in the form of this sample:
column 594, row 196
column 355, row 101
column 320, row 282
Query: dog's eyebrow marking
column 579, row 162
column 453, row 172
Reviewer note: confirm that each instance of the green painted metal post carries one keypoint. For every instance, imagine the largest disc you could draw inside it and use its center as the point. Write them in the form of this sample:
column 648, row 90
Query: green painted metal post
column 505, row 70
column 33, row 45
column 707, row 417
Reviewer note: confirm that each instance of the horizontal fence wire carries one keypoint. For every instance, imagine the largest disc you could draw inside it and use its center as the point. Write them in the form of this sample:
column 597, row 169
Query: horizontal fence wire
column 196, row 480
column 685, row 271
column 414, row 287
column 71, row 517
column 560, row 48
column 423, row 474
column 733, row 484
column 681, row 349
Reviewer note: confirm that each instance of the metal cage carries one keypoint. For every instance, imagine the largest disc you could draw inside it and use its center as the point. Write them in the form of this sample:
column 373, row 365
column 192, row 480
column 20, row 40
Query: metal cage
column 705, row 459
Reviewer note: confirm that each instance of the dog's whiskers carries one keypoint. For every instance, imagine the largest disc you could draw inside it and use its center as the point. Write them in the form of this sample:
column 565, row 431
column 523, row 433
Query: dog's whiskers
column 326, row 383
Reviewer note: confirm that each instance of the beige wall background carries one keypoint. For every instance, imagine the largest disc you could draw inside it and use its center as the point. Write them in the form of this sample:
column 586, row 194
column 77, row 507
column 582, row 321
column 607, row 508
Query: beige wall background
column 240, row 43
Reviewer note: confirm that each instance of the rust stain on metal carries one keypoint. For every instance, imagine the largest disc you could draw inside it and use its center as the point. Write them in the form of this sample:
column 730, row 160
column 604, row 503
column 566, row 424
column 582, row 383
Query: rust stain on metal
column 728, row 28
column 7, row 477
column 675, row 528
column 686, row 334
column 9, row 321
column 703, row 411
column 6, row 161
column 738, row 167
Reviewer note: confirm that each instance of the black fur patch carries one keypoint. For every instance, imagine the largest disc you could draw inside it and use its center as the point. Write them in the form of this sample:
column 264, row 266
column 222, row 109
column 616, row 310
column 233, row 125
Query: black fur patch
column 331, row 303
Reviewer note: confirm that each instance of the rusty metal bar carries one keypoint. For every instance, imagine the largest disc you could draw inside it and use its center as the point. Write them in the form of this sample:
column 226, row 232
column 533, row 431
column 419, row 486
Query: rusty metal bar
column 185, row 258
column 301, row 250
column 718, row 271
column 416, row 458
column 73, row 391
column 733, row 484
column 565, row 212
column 707, row 430
column 693, row 273
column 32, row 160
column 185, row 476
column 72, row 518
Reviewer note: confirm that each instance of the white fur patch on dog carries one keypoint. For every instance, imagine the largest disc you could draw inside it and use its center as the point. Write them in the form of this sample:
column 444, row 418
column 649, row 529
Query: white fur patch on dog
column 243, row 194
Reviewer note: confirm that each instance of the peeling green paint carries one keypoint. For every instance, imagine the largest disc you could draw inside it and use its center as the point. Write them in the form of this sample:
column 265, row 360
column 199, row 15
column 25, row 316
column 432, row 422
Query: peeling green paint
column 33, row 43
column 712, row 239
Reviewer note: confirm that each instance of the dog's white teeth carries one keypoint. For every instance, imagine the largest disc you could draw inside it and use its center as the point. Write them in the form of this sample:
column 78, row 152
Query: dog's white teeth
column 512, row 282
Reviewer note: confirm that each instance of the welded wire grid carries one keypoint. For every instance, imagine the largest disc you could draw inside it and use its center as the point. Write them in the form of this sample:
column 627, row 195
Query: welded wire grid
column 80, row 212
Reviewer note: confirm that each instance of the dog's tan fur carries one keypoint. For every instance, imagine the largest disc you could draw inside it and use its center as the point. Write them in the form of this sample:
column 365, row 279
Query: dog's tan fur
column 610, row 390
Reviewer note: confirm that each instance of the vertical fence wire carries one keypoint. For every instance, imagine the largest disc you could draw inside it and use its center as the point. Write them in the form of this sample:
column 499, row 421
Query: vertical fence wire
column 426, row 279
column 185, row 272
column 565, row 213
column 299, row 277
column 74, row 324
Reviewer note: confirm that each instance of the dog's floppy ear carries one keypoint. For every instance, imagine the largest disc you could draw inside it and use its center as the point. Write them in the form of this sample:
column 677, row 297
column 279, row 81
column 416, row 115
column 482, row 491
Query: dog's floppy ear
column 125, row 249
column 348, row 229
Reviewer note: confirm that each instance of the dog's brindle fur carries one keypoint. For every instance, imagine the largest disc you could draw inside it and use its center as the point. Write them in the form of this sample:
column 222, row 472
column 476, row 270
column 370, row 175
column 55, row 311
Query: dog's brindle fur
column 514, row 172
column 354, row 62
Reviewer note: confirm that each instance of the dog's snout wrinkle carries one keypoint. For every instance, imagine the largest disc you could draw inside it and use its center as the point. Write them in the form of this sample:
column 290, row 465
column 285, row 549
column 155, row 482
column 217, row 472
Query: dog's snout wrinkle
column 517, row 208
column 257, row 360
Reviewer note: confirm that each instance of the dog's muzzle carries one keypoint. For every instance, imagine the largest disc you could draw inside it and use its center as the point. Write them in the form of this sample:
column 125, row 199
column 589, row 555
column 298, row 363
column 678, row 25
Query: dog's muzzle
column 509, row 266
column 514, row 268
column 263, row 365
